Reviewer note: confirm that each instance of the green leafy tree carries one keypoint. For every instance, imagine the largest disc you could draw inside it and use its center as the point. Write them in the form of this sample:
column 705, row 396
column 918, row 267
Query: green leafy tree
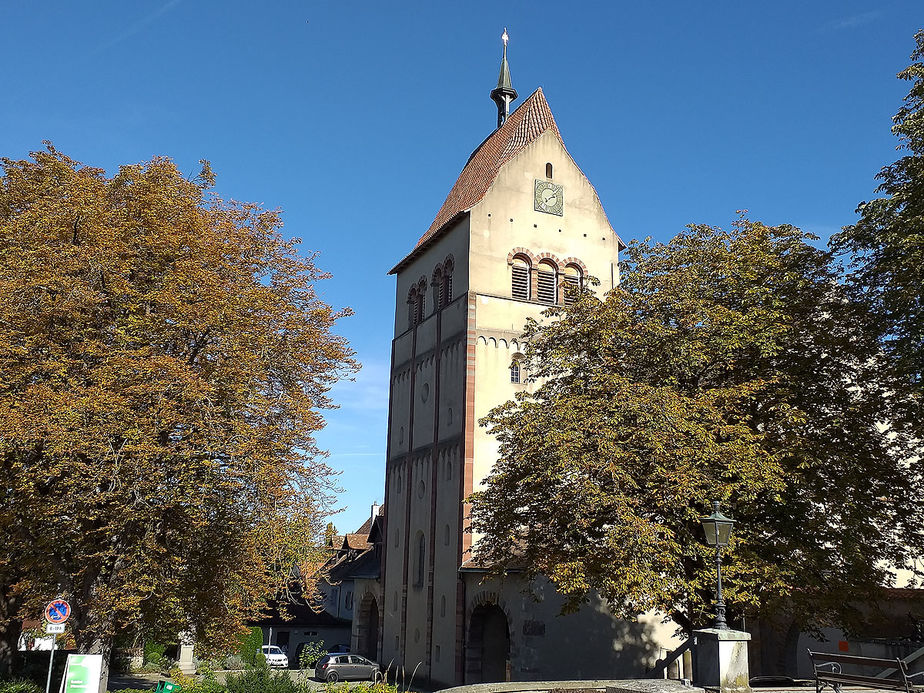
column 164, row 360
column 888, row 240
column 727, row 365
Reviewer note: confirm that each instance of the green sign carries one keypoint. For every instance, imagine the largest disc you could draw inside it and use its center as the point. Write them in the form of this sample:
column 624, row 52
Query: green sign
column 82, row 674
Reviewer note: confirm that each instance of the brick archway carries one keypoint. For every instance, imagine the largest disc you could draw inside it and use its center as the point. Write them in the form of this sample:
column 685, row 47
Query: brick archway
column 367, row 627
column 488, row 646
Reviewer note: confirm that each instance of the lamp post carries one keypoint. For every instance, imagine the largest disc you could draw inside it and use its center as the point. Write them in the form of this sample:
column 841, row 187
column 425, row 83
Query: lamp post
column 718, row 529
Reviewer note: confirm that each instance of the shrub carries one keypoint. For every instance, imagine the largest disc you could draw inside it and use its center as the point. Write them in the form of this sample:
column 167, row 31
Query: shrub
column 207, row 683
column 233, row 662
column 19, row 686
column 154, row 651
column 249, row 647
column 311, row 653
column 261, row 680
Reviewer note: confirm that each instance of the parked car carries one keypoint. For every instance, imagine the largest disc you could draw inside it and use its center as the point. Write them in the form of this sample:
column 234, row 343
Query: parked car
column 344, row 667
column 275, row 657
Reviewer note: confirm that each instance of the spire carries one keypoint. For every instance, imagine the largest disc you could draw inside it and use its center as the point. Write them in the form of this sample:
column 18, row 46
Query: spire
column 504, row 92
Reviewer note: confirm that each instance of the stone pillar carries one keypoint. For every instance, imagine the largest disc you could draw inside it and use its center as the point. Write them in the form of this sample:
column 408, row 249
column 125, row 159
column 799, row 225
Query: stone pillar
column 721, row 658
column 185, row 655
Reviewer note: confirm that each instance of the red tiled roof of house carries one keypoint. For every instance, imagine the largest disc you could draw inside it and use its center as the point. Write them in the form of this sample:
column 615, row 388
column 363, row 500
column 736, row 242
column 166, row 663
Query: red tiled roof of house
column 523, row 126
column 365, row 528
column 357, row 541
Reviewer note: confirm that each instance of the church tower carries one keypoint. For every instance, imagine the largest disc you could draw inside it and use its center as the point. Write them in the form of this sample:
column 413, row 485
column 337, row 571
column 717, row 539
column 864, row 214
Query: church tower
column 521, row 229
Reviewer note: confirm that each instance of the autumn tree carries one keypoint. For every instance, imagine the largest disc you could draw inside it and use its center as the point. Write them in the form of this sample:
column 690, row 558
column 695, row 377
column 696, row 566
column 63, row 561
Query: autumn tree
column 727, row 365
column 164, row 361
column 887, row 243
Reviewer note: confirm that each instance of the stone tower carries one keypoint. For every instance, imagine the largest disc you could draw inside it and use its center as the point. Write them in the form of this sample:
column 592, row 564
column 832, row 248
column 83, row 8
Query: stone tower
column 521, row 229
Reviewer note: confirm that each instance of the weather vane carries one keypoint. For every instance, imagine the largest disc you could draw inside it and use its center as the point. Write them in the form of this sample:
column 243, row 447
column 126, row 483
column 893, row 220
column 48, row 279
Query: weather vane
column 504, row 37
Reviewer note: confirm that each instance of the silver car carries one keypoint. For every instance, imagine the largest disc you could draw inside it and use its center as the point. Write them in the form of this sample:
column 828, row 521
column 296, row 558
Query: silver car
column 340, row 666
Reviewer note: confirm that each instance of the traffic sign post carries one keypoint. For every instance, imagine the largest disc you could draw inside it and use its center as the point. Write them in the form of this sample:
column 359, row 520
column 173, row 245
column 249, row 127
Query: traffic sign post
column 56, row 613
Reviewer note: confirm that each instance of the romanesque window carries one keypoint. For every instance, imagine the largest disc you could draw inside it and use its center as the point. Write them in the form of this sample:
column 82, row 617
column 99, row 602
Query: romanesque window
column 515, row 371
column 412, row 308
column 547, row 282
column 419, row 307
column 447, row 283
column 574, row 281
column 548, row 170
column 438, row 295
column 520, row 278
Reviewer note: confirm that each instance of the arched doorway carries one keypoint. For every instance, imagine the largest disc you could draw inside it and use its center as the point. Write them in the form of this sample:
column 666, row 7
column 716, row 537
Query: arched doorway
column 367, row 628
column 487, row 651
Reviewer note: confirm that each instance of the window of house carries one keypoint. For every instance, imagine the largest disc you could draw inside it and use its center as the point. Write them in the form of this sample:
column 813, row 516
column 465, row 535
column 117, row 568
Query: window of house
column 515, row 371
column 546, row 282
column 419, row 308
column 520, row 278
column 412, row 308
column 447, row 283
column 348, row 601
column 438, row 288
column 574, row 282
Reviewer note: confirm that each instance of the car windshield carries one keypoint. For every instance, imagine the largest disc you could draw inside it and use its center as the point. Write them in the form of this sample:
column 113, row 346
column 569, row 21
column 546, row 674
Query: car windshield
column 272, row 650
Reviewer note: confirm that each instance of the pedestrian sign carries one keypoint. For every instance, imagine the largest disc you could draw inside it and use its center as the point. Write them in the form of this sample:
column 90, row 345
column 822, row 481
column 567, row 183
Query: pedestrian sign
column 57, row 611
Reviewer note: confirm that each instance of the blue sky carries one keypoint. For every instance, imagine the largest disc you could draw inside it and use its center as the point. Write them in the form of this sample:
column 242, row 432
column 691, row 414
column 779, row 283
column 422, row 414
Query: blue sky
column 355, row 117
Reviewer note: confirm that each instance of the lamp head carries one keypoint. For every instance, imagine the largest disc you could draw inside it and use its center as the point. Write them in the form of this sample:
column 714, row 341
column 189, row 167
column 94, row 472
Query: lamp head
column 717, row 527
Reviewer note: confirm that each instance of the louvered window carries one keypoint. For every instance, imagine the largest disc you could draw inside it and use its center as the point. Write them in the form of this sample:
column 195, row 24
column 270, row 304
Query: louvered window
column 546, row 283
column 419, row 313
column 412, row 309
column 520, row 279
column 438, row 290
column 573, row 283
column 447, row 287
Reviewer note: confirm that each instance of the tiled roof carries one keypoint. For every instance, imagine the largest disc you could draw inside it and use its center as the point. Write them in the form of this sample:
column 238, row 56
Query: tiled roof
column 365, row 528
column 523, row 126
column 357, row 541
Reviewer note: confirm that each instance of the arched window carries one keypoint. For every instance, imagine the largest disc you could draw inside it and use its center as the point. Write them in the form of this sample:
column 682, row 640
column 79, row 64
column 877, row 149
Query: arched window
column 438, row 288
column 516, row 368
column 547, row 282
column 412, row 308
column 520, row 278
column 421, row 302
column 548, row 170
column 447, row 283
column 421, row 561
column 574, row 283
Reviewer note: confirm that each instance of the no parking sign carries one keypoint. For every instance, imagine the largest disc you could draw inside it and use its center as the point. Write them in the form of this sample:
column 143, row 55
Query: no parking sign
column 57, row 611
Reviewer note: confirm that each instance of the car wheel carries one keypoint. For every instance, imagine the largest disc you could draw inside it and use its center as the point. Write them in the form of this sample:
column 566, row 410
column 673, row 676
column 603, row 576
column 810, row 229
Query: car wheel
column 332, row 677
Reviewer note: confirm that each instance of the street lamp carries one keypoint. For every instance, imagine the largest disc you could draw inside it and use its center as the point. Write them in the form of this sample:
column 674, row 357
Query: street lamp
column 718, row 529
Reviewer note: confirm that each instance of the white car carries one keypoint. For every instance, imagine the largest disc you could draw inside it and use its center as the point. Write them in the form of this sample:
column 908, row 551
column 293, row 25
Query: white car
column 275, row 657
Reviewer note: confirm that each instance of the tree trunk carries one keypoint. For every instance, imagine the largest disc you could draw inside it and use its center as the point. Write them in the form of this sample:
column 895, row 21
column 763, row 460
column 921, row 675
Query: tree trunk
column 10, row 629
column 101, row 646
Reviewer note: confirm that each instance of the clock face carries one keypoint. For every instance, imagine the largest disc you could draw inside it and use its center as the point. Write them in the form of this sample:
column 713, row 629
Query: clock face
column 550, row 198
